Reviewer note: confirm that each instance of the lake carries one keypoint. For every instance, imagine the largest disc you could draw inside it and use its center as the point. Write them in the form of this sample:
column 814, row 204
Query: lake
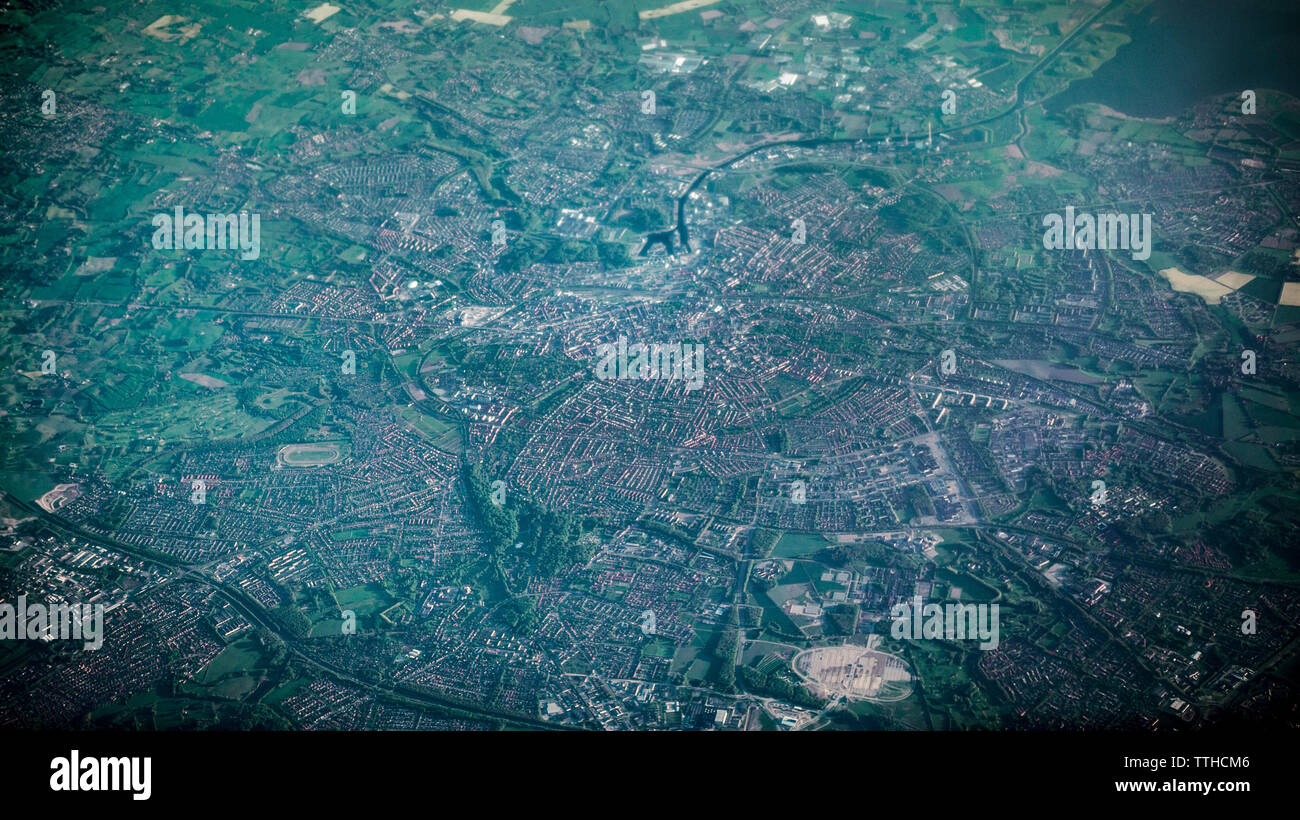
column 1184, row 51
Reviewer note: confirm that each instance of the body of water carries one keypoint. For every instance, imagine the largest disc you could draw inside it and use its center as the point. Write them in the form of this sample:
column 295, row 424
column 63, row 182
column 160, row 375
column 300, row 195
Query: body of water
column 1184, row 51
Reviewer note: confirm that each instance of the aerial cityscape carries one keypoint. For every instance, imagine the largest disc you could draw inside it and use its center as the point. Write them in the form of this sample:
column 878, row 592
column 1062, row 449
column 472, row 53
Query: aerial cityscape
column 726, row 365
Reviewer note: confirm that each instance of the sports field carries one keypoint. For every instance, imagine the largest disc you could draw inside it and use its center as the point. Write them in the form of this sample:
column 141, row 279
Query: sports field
column 854, row 672
column 309, row 455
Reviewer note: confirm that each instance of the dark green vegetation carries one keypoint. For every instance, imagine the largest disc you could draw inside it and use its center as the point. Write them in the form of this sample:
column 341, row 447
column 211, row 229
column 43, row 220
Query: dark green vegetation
column 548, row 540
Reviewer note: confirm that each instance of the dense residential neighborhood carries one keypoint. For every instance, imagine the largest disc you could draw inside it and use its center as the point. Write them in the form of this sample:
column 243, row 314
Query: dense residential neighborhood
column 373, row 475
